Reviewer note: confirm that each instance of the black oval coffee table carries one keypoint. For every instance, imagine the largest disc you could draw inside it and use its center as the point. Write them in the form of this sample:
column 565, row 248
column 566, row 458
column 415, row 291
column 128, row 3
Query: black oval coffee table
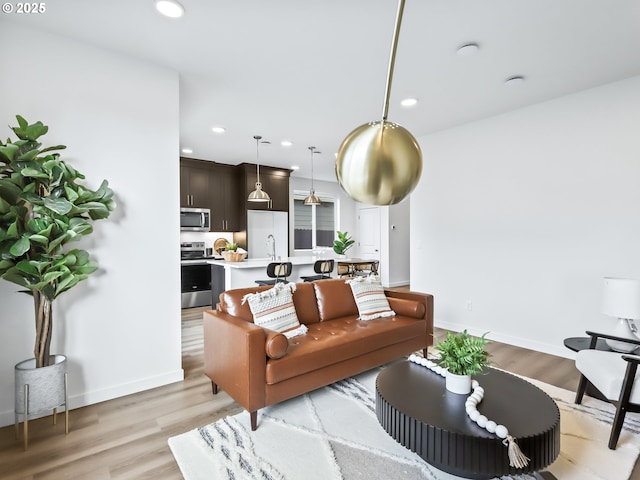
column 414, row 407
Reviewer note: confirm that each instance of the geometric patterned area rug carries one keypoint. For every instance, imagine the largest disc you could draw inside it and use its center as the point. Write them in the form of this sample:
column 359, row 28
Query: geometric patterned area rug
column 333, row 433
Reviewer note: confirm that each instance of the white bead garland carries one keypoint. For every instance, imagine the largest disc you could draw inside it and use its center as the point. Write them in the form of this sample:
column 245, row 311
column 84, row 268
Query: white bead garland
column 516, row 457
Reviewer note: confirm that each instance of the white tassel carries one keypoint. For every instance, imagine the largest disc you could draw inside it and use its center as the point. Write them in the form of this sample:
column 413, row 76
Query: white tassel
column 517, row 459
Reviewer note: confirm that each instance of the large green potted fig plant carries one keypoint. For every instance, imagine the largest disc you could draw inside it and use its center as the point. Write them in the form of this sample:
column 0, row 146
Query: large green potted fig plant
column 43, row 208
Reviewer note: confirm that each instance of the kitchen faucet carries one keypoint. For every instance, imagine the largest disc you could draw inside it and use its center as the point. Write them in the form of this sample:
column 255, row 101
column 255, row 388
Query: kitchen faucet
column 272, row 245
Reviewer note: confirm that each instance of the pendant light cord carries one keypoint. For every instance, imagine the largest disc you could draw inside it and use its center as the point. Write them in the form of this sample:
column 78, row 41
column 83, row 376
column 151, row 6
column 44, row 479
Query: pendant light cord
column 392, row 60
column 257, row 137
column 312, row 152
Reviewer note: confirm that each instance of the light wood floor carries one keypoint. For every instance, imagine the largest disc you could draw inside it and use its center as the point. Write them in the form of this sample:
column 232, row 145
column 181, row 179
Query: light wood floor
column 126, row 438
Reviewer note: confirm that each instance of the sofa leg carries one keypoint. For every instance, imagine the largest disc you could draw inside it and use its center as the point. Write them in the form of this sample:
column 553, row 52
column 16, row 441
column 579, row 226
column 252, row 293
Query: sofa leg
column 254, row 420
column 214, row 388
column 425, row 352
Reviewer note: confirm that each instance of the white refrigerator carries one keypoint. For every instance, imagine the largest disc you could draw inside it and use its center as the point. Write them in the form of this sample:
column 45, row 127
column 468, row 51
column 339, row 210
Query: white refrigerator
column 261, row 224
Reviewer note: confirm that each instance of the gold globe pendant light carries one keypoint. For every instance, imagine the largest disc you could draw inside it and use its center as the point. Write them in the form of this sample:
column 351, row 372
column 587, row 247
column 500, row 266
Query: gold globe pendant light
column 258, row 195
column 312, row 198
column 380, row 163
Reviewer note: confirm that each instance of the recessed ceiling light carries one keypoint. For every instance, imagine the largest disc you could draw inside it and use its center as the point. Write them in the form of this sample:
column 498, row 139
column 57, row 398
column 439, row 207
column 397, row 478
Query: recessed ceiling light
column 187, row 150
column 409, row 102
column 218, row 129
column 170, row 8
column 286, row 143
column 468, row 50
column 295, row 167
column 515, row 80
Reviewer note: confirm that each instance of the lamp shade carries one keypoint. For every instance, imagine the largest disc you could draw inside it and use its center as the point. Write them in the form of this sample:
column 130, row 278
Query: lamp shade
column 312, row 199
column 621, row 298
column 258, row 195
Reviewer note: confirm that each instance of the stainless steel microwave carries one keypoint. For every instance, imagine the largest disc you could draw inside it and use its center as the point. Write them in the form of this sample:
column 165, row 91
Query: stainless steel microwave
column 195, row 219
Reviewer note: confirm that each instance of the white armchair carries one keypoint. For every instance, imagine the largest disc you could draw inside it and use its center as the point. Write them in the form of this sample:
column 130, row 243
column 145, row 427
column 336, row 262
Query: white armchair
column 614, row 375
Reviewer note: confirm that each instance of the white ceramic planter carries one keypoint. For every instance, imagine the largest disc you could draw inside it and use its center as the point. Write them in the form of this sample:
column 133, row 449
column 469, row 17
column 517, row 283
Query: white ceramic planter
column 460, row 384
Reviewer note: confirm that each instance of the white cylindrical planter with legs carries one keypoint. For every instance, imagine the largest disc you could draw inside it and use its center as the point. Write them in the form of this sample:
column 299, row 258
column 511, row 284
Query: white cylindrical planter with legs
column 40, row 390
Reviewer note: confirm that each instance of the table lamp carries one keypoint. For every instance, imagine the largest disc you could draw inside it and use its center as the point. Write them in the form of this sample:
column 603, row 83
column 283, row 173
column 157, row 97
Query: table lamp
column 621, row 299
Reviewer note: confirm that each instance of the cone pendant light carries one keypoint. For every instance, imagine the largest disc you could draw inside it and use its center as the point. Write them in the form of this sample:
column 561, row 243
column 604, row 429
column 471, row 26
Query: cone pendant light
column 380, row 162
column 312, row 198
column 258, row 195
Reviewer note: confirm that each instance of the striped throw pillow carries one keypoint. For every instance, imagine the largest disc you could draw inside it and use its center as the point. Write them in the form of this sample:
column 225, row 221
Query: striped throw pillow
column 273, row 309
column 370, row 298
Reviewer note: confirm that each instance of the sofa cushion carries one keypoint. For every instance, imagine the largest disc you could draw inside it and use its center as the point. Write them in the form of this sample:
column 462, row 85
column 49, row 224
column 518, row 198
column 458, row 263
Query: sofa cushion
column 370, row 298
column 273, row 308
column 606, row 371
column 276, row 345
column 330, row 342
column 408, row 308
column 304, row 301
column 231, row 302
column 335, row 299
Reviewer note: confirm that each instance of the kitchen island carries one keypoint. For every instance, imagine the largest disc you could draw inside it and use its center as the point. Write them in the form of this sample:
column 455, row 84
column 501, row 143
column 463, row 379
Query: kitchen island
column 228, row 275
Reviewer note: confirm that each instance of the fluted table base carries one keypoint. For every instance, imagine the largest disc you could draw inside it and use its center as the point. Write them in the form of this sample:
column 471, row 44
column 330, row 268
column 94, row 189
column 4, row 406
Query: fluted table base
column 413, row 406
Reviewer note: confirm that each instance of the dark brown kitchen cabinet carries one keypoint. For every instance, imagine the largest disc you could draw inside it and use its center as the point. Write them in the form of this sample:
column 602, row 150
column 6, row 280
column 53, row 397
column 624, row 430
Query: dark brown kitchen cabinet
column 215, row 186
column 275, row 181
column 194, row 184
column 226, row 207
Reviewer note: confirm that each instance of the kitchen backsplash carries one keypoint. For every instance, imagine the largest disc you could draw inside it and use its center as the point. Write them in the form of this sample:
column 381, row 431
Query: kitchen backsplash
column 207, row 237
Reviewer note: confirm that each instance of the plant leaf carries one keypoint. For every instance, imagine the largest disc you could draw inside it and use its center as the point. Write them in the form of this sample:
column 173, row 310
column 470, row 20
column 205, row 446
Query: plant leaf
column 58, row 205
column 20, row 247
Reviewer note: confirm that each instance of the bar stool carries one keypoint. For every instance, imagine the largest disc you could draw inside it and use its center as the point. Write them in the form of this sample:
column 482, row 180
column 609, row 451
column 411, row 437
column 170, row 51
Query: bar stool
column 278, row 272
column 323, row 268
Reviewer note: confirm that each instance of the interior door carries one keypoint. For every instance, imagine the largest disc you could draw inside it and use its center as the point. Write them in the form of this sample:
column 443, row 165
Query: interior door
column 369, row 232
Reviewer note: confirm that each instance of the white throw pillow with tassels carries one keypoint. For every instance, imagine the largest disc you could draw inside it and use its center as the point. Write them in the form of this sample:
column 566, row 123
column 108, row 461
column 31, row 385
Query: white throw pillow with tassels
column 370, row 298
column 273, row 309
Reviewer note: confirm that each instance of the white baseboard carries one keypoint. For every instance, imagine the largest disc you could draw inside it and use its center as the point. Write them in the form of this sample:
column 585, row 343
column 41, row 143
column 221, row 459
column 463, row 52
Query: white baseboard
column 116, row 391
column 397, row 284
column 550, row 348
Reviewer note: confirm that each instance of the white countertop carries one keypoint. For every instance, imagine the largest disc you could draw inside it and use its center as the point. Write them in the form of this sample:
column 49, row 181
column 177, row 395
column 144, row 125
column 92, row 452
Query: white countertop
column 263, row 262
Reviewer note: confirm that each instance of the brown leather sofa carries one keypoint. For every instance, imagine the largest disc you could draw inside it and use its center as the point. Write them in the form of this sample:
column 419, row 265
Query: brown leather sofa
column 259, row 367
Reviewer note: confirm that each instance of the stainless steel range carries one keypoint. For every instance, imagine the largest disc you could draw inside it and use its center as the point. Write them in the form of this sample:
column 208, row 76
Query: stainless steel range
column 195, row 274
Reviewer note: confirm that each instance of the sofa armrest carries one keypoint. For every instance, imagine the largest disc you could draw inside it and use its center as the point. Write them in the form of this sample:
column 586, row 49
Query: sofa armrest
column 426, row 299
column 235, row 358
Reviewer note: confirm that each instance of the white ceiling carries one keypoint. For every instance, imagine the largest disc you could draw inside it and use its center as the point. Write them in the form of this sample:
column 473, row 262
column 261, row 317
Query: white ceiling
column 311, row 71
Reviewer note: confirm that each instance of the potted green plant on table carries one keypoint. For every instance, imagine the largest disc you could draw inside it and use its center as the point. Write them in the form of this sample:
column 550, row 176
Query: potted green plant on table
column 343, row 243
column 43, row 208
column 462, row 355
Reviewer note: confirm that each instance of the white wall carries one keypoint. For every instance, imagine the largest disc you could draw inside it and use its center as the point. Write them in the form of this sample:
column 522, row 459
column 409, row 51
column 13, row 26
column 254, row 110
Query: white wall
column 518, row 217
column 119, row 119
